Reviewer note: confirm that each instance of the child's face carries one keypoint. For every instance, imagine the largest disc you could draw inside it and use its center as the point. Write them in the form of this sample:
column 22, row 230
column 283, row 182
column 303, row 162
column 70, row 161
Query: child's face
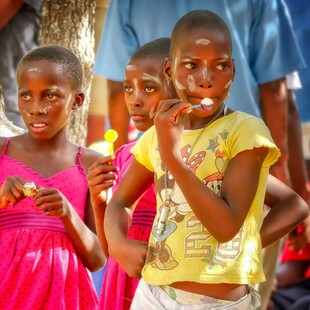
column 145, row 85
column 201, row 66
column 45, row 98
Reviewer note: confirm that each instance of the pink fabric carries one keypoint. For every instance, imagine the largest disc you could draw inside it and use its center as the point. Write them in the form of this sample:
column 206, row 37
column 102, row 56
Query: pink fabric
column 39, row 267
column 118, row 288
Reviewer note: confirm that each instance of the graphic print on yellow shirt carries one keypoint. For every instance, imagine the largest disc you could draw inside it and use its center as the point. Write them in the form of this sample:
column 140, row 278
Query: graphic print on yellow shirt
column 160, row 255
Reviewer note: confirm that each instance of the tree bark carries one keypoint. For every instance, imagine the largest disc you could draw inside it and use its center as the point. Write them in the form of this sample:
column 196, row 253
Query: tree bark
column 70, row 23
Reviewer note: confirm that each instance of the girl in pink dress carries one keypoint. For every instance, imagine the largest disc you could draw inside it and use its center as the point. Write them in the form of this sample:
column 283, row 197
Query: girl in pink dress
column 144, row 86
column 47, row 234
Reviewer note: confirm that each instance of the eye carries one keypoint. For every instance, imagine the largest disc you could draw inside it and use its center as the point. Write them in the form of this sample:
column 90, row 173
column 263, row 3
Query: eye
column 25, row 96
column 51, row 96
column 190, row 65
column 128, row 89
column 221, row 66
column 149, row 89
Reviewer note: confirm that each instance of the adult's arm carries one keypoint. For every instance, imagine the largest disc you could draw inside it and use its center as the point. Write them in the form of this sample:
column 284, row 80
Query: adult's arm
column 297, row 167
column 297, row 164
column 274, row 108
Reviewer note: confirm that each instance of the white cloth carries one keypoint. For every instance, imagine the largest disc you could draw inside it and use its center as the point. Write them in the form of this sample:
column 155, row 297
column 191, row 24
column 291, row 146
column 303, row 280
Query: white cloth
column 293, row 81
column 153, row 297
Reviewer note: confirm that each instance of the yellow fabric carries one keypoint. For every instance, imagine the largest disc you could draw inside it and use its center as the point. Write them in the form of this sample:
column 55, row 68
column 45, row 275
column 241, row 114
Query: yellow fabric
column 186, row 251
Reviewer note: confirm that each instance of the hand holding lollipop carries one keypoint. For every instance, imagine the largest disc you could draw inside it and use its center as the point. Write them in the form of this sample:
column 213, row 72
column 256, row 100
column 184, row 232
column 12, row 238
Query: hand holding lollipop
column 110, row 136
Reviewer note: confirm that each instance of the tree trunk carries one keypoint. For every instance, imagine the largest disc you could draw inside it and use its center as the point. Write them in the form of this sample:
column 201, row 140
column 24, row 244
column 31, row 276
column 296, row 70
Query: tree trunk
column 70, row 23
column 7, row 128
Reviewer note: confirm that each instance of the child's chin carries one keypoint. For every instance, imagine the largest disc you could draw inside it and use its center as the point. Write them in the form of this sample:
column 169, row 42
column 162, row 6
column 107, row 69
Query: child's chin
column 141, row 126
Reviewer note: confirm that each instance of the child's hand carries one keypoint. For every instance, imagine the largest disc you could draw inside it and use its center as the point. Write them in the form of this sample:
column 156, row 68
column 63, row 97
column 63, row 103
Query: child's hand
column 52, row 202
column 11, row 191
column 131, row 255
column 100, row 178
column 169, row 125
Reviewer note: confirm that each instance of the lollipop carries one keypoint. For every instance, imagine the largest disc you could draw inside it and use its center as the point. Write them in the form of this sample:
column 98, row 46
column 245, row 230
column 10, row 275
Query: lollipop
column 110, row 136
column 29, row 189
column 205, row 104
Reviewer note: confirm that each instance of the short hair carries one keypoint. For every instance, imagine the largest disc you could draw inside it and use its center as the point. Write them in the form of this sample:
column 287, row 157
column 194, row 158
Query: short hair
column 158, row 48
column 198, row 19
column 62, row 56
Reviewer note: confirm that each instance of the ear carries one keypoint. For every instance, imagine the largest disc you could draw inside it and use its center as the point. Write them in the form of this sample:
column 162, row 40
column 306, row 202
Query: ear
column 78, row 100
column 167, row 68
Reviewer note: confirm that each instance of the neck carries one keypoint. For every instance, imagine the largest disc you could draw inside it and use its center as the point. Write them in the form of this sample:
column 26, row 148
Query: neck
column 195, row 122
column 58, row 141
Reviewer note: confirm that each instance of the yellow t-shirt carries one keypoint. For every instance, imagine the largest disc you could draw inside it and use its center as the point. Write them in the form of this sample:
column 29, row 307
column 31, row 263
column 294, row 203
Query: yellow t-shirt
column 186, row 251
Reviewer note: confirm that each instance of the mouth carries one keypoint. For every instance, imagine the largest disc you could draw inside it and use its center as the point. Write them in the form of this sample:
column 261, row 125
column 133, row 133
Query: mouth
column 38, row 127
column 137, row 117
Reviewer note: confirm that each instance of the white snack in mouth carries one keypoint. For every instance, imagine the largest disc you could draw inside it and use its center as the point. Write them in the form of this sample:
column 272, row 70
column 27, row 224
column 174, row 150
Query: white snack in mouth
column 206, row 101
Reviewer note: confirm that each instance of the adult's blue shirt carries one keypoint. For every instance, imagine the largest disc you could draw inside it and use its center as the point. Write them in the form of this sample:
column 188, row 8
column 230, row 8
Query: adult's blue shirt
column 264, row 46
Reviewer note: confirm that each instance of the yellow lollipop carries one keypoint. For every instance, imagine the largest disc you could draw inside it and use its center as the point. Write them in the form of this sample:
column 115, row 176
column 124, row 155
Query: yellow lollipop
column 110, row 136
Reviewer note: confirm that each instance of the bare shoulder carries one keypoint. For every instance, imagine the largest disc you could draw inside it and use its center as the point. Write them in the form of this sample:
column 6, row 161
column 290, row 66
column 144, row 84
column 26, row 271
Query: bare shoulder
column 89, row 156
column 14, row 140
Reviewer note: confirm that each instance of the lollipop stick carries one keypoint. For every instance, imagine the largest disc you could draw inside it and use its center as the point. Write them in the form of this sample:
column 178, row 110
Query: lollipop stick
column 195, row 106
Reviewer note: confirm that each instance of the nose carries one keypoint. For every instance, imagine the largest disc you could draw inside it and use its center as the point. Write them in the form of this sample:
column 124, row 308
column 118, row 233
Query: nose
column 37, row 107
column 205, row 78
column 136, row 98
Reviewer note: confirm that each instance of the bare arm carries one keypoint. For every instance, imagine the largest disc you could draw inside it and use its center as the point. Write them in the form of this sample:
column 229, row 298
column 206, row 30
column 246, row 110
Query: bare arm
column 100, row 178
column 130, row 254
column 288, row 210
column 298, row 171
column 118, row 113
column 297, row 164
column 274, row 107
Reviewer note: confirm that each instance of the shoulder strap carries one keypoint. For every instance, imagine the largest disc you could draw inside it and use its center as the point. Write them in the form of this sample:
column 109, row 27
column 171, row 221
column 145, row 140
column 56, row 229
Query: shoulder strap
column 5, row 148
column 79, row 155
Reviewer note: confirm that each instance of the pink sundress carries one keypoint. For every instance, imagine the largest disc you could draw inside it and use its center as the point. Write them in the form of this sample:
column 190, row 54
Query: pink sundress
column 39, row 267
